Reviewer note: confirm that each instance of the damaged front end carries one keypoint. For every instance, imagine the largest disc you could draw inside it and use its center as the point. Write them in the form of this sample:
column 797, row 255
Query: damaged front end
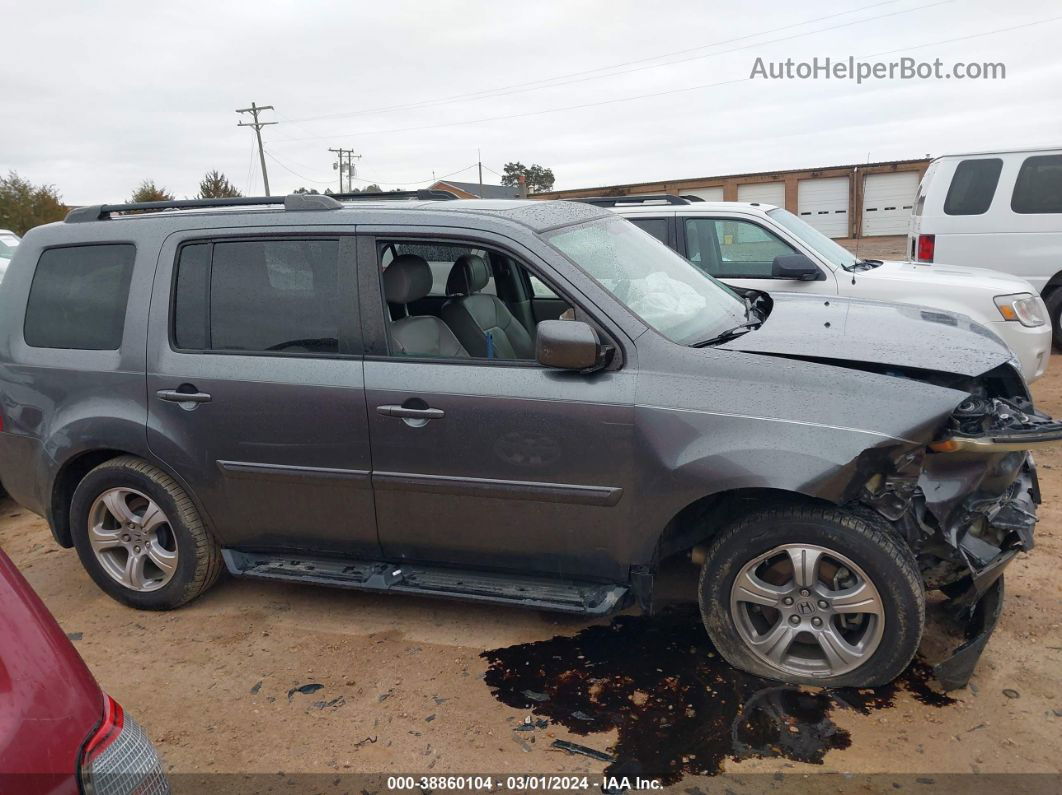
column 966, row 504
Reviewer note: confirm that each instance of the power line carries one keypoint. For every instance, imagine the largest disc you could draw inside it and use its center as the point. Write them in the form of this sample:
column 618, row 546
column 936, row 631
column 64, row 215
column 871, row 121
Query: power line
column 652, row 94
column 368, row 180
column 254, row 110
column 549, row 81
column 286, row 167
column 250, row 170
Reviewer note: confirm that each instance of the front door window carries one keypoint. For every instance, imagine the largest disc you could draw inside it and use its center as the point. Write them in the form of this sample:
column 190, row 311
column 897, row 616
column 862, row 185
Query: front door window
column 729, row 248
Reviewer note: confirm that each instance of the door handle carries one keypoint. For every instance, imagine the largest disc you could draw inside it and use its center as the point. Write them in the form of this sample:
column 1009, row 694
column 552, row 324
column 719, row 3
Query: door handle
column 176, row 396
column 410, row 413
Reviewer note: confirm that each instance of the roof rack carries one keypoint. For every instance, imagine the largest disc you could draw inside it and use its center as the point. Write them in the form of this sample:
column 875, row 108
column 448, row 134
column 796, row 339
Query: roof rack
column 295, row 202
column 639, row 198
column 425, row 195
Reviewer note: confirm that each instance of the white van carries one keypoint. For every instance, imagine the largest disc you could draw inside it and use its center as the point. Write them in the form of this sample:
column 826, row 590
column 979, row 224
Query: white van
column 999, row 210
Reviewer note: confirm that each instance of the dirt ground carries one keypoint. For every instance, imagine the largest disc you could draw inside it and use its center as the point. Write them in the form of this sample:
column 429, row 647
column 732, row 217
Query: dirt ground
column 403, row 686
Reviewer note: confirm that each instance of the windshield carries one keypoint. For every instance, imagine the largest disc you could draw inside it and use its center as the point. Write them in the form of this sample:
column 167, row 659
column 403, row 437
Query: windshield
column 666, row 291
column 833, row 253
column 8, row 244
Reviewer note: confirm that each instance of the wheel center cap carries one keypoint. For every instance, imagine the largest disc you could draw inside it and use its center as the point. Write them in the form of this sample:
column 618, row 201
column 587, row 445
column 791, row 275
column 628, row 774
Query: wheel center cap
column 805, row 608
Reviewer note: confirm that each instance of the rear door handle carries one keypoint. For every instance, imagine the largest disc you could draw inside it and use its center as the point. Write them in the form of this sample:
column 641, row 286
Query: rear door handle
column 176, row 396
column 414, row 414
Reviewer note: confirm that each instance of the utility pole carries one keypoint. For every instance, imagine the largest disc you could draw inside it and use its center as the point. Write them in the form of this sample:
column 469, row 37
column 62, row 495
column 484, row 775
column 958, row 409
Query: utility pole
column 346, row 164
column 479, row 160
column 254, row 110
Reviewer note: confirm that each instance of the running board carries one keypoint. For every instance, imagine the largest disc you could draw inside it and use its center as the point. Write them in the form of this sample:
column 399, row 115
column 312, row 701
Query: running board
column 540, row 593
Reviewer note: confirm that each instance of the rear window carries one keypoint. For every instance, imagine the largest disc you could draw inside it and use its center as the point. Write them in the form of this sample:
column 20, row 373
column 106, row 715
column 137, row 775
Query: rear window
column 258, row 296
column 78, row 297
column 1038, row 188
column 973, row 186
column 657, row 227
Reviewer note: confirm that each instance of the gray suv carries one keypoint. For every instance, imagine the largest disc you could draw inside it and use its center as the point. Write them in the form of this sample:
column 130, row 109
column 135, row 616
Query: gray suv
column 525, row 403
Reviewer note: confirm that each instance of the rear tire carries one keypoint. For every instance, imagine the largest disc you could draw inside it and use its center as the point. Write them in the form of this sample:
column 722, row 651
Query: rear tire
column 140, row 537
column 809, row 562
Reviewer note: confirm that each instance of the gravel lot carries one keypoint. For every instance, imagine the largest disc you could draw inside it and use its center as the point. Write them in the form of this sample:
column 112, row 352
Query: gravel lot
column 403, row 687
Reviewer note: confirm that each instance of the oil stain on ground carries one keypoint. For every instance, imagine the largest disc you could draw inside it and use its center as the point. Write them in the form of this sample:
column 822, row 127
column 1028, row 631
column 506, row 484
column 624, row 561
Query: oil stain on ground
column 678, row 708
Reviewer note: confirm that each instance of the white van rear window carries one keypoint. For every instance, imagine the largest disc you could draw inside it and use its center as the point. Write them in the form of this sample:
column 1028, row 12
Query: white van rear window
column 973, row 186
column 1038, row 188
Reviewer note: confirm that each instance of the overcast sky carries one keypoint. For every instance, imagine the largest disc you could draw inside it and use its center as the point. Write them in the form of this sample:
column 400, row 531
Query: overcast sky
column 98, row 96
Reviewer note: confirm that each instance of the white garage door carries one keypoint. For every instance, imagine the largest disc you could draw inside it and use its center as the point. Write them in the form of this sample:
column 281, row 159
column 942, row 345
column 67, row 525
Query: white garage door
column 763, row 192
column 823, row 203
column 708, row 194
column 887, row 202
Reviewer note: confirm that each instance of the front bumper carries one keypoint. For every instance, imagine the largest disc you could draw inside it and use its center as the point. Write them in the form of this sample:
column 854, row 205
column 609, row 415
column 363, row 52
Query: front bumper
column 995, row 532
column 1032, row 346
column 979, row 622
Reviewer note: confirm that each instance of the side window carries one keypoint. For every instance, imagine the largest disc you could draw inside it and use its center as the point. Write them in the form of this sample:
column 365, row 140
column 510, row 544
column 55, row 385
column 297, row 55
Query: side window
column 657, row 227
column 78, row 297
column 539, row 289
column 1038, row 188
column 440, row 257
column 731, row 248
column 258, row 296
column 477, row 322
column 972, row 187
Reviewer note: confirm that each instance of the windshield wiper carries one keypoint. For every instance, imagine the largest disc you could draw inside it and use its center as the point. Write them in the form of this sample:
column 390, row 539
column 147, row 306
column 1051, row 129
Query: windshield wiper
column 729, row 334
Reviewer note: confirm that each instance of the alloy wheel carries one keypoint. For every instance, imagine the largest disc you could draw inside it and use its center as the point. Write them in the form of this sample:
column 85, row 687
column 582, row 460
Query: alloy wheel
column 807, row 610
column 132, row 539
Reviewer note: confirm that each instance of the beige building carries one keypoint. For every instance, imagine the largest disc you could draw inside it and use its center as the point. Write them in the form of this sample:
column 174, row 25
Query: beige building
column 862, row 200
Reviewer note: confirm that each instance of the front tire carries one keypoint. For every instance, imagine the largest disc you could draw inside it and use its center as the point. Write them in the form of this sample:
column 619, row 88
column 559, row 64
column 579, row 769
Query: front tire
column 140, row 537
column 813, row 595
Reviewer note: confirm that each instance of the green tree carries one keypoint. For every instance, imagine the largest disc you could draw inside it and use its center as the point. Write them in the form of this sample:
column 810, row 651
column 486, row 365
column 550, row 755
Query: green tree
column 373, row 188
column 150, row 192
column 537, row 178
column 24, row 205
column 216, row 185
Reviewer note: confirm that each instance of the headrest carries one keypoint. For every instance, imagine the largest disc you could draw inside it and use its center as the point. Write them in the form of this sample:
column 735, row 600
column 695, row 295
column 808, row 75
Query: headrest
column 469, row 274
column 407, row 279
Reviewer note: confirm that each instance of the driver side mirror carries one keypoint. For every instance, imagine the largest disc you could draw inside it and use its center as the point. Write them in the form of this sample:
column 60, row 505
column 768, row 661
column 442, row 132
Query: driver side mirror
column 568, row 345
column 795, row 266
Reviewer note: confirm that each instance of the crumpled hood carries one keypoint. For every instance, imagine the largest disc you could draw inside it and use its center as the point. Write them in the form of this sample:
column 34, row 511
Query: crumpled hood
column 846, row 330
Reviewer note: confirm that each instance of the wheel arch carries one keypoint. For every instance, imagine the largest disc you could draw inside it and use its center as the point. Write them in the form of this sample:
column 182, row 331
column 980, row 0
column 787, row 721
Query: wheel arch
column 73, row 471
column 1054, row 283
column 702, row 519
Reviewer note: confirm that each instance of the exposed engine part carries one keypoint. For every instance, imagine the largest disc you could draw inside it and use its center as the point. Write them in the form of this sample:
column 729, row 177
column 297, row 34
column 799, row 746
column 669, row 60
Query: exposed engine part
column 999, row 424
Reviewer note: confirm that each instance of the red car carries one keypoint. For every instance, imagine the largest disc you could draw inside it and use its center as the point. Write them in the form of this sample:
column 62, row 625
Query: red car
column 59, row 732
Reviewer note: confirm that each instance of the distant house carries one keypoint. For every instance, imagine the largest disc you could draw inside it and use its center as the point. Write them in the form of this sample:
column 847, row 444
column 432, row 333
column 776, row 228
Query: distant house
column 473, row 190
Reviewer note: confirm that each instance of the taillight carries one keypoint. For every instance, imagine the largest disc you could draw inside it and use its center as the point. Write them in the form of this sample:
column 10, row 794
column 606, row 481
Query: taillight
column 927, row 244
column 119, row 759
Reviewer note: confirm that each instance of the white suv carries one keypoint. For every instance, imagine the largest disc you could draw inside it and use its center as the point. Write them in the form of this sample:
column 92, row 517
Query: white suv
column 764, row 247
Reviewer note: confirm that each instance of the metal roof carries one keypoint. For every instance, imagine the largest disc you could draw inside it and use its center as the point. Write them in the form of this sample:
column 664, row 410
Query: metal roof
column 484, row 191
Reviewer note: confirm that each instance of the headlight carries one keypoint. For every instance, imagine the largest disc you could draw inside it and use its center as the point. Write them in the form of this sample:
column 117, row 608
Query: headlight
column 1023, row 307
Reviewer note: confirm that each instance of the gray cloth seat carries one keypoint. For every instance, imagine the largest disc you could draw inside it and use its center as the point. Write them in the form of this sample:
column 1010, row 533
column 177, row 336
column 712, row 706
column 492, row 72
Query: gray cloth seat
column 483, row 323
column 408, row 279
